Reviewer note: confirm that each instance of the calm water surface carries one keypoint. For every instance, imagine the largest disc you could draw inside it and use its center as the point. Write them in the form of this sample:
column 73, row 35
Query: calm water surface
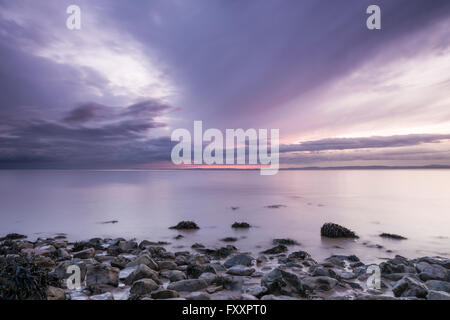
column 413, row 203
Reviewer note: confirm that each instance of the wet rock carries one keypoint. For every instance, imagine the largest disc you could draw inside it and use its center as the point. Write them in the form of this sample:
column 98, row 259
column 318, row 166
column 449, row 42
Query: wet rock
column 320, row 271
column 240, row 225
column 437, row 285
column 120, row 262
column 409, row 287
column 197, row 246
column 198, row 296
column 273, row 297
column 176, row 275
column 258, row 291
column 332, row 230
column 144, row 259
column 110, row 222
column 178, row 237
column 392, row 236
column 209, row 277
column 321, row 283
column 167, row 265
column 128, row 246
column 229, row 282
column 275, row 206
column 215, row 268
column 102, row 274
column 240, row 271
column 13, row 236
column 54, row 293
column 283, row 282
column 431, row 271
column 143, row 287
column 285, row 242
column 397, row 265
column 242, row 259
column 444, row 262
column 164, row 294
column 299, row 255
column 185, row 225
column 276, row 250
column 141, row 272
column 246, row 296
column 229, row 239
column 84, row 254
column 188, row 285
column 438, row 295
column 195, row 270
column 220, row 253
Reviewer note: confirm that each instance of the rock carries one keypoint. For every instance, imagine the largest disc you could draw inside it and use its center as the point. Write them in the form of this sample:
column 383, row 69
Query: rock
column 128, row 246
column 320, row 271
column 240, row 271
column 102, row 297
column 258, row 291
column 143, row 287
column 444, row 262
column 178, row 237
column 110, row 221
column 286, row 242
column 195, row 270
column 167, row 265
column 185, row 225
column 63, row 254
column 220, row 253
column 120, row 262
column 229, row 239
column 54, row 293
column 176, row 275
column 197, row 246
column 44, row 262
column 275, row 206
column 300, row 255
column 188, row 285
column 397, row 265
column 61, row 270
column 215, row 268
column 409, row 287
column 438, row 295
column 321, row 283
column 437, row 285
column 242, row 259
column 144, row 259
column 198, row 296
column 240, row 225
column 141, row 272
column 283, row 282
column 431, row 271
column 164, row 294
column 13, row 236
column 209, row 277
column 102, row 274
column 276, row 250
column 215, row 289
column 229, row 282
column 84, row 254
column 332, row 230
column 392, row 236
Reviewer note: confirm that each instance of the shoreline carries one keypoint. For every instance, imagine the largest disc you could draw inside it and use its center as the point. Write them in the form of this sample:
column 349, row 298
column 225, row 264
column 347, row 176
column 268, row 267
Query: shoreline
column 118, row 269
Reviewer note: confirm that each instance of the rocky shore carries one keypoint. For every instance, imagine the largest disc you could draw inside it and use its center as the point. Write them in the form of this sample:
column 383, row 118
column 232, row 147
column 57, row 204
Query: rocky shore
column 117, row 269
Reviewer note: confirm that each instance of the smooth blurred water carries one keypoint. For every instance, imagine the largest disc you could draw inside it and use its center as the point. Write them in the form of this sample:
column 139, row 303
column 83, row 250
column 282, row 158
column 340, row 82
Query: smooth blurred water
column 413, row 203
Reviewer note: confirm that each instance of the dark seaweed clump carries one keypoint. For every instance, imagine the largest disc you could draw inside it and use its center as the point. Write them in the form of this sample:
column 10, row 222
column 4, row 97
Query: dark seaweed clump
column 21, row 279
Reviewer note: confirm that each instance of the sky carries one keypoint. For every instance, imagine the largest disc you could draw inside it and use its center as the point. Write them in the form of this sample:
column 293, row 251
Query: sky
column 109, row 95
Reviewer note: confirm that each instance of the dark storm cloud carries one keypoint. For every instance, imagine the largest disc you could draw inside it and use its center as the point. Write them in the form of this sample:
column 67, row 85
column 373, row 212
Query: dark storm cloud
column 89, row 136
column 365, row 142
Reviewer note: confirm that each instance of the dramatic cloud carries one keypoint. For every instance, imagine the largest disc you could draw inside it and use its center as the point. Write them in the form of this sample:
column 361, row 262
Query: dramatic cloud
column 89, row 136
column 365, row 143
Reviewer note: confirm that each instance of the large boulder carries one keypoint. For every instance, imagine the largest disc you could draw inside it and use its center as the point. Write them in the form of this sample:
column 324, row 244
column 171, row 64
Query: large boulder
column 409, row 287
column 332, row 230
